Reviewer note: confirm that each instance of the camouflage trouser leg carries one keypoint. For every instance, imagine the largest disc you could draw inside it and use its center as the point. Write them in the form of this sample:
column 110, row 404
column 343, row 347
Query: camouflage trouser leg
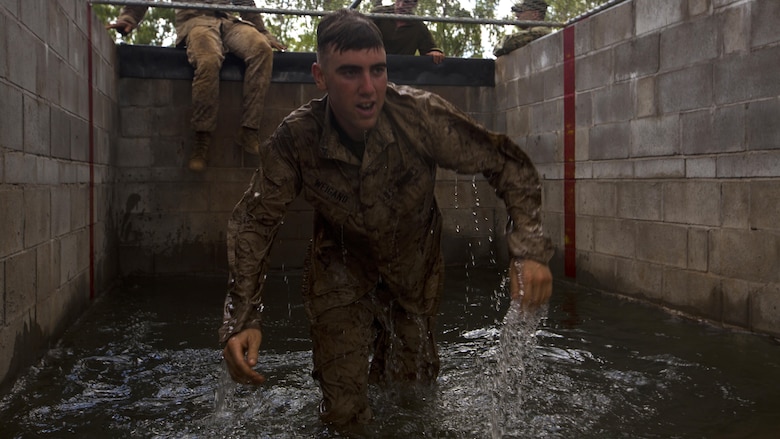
column 204, row 52
column 404, row 348
column 404, row 351
column 342, row 337
column 250, row 45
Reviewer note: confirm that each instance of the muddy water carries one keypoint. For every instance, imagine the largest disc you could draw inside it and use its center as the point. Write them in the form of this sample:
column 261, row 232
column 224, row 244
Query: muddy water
column 143, row 362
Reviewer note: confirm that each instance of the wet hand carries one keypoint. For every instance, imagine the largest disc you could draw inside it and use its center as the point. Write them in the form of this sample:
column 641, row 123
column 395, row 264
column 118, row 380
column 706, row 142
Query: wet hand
column 437, row 56
column 530, row 282
column 240, row 355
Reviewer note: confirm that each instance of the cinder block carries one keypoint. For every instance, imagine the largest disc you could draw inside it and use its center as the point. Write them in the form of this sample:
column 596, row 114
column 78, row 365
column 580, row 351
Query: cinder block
column 662, row 243
column 660, row 168
column 655, row 136
column 546, row 52
column 746, row 76
column 763, row 18
column 134, row 152
column 641, row 200
column 693, row 202
column 686, row 89
column 639, row 279
column 705, row 167
column 762, row 164
column 47, row 268
column 584, row 234
column 595, row 270
column 698, row 249
column 613, row 169
column 765, row 310
column 695, row 293
column 646, row 104
column 735, row 25
column 37, row 216
column 69, row 257
column 615, row 237
column 57, row 29
column 594, row 70
column 20, row 168
column 3, row 47
column 35, row 16
column 37, row 124
column 2, row 303
column 20, row 285
column 610, row 141
column 553, row 84
column 60, row 210
column 763, row 131
column 652, row 15
column 745, row 254
column 11, row 124
column 613, row 25
column 21, row 74
column 736, row 302
column 614, row 103
column 765, row 205
column 689, row 43
column 735, row 204
column 596, row 198
column 636, row 58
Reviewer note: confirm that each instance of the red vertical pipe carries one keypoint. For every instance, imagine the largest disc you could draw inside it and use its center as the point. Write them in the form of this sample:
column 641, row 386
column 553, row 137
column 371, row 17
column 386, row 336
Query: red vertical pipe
column 569, row 162
column 90, row 221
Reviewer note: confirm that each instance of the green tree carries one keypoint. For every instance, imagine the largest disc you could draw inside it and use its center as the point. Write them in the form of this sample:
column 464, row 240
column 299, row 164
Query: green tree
column 155, row 29
column 297, row 32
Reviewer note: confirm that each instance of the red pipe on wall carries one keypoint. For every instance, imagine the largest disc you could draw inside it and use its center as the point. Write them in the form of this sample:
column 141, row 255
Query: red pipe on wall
column 569, row 161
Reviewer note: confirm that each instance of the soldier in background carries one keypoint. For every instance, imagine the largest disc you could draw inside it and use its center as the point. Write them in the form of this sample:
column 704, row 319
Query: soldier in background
column 208, row 35
column 406, row 37
column 525, row 10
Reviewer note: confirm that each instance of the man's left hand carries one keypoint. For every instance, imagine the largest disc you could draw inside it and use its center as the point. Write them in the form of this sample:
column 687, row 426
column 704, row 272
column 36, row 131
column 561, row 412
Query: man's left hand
column 530, row 282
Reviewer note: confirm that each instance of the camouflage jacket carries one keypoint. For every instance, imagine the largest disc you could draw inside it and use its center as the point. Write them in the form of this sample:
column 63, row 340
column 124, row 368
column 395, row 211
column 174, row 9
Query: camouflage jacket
column 519, row 39
column 408, row 39
column 186, row 19
column 376, row 219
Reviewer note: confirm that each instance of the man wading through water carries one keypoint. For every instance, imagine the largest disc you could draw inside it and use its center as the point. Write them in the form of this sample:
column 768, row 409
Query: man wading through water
column 365, row 157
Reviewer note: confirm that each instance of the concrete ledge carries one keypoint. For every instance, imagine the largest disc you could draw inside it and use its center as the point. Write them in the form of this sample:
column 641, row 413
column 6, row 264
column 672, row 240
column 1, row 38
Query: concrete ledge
column 155, row 62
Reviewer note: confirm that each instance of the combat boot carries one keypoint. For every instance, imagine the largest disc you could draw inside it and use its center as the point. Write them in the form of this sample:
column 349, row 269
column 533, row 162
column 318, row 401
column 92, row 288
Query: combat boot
column 249, row 140
column 200, row 150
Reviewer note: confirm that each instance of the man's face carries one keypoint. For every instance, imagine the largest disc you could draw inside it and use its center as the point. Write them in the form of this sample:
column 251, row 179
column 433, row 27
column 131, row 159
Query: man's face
column 356, row 82
column 529, row 15
column 405, row 6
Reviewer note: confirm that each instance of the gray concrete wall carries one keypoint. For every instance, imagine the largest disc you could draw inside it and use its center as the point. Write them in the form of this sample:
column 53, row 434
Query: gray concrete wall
column 677, row 152
column 46, row 173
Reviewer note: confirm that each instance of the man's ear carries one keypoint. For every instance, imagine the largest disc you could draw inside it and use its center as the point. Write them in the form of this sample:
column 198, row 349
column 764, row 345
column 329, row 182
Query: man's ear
column 319, row 77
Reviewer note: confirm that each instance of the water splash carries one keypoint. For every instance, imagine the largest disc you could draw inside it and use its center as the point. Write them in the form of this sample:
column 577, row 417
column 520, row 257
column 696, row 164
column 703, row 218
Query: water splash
column 509, row 377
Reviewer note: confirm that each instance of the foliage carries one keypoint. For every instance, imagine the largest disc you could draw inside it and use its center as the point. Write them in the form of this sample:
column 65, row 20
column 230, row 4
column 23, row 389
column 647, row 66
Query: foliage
column 155, row 29
column 297, row 32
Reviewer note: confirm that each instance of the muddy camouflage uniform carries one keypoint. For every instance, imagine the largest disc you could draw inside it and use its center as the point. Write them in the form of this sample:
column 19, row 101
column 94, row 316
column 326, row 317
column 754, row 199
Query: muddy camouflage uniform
column 208, row 35
column 408, row 39
column 374, row 271
column 519, row 39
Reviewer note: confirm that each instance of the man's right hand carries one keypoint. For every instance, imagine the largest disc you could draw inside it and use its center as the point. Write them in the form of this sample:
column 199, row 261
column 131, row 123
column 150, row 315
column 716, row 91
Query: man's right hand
column 240, row 354
column 123, row 27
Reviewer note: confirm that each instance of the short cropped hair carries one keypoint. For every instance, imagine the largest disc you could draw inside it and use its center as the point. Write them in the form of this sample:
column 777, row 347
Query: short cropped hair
column 347, row 29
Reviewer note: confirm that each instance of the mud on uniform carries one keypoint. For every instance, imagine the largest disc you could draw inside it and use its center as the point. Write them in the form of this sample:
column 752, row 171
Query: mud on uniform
column 374, row 271
column 208, row 35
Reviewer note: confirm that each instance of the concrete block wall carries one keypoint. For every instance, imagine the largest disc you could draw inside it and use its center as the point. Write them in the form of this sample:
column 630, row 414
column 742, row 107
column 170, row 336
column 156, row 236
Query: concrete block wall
column 676, row 152
column 47, row 174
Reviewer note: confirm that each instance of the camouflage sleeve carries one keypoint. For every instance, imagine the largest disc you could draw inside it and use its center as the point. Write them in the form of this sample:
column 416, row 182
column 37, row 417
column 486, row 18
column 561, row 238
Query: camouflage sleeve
column 427, row 43
column 461, row 144
column 251, row 230
column 255, row 18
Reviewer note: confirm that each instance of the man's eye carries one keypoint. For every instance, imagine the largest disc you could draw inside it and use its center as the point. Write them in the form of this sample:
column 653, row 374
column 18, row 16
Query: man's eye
column 378, row 71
